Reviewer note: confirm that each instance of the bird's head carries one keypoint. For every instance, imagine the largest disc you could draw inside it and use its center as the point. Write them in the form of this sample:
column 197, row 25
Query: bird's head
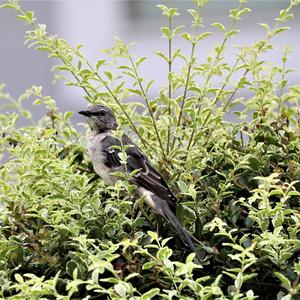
column 100, row 118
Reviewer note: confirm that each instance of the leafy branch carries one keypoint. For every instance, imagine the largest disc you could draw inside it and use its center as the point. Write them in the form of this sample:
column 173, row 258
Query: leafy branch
column 235, row 14
column 59, row 48
column 194, row 40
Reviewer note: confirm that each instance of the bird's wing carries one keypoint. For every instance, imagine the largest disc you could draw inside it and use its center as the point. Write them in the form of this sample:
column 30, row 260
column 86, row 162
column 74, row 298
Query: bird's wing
column 111, row 152
column 147, row 178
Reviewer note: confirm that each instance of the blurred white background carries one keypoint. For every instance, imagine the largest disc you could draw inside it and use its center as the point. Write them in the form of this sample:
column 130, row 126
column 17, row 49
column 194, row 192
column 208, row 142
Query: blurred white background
column 94, row 23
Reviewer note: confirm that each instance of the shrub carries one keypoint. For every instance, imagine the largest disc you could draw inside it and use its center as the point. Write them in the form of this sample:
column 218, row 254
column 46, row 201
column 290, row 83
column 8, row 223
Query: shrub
column 65, row 235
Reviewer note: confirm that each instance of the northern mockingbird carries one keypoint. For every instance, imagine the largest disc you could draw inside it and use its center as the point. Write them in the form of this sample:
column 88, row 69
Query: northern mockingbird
column 106, row 160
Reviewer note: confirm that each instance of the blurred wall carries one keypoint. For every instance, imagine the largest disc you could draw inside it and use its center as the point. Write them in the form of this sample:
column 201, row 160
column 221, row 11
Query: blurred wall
column 94, row 23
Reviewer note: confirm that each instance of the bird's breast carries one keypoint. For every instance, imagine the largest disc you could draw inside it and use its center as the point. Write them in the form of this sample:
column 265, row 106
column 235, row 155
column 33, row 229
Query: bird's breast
column 98, row 157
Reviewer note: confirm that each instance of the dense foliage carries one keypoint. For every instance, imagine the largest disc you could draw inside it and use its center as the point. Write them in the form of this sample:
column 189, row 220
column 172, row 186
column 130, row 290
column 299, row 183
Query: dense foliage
column 65, row 235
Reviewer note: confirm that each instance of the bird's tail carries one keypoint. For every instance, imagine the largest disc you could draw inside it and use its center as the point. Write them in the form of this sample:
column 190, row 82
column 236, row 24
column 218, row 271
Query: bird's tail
column 162, row 207
column 183, row 234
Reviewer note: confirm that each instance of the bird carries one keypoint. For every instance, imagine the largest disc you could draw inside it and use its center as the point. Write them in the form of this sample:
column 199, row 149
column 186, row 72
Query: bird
column 104, row 149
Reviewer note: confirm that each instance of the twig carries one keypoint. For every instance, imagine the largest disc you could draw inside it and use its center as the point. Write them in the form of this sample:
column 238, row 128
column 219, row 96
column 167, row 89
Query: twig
column 186, row 85
column 145, row 143
column 170, row 86
column 148, row 105
column 35, row 25
column 210, row 74
column 86, row 170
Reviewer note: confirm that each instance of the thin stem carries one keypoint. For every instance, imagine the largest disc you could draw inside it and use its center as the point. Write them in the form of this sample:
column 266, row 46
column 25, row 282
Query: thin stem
column 75, row 76
column 185, row 92
column 170, row 85
column 222, row 89
column 210, row 74
column 145, row 143
column 186, row 85
column 223, row 110
column 85, row 170
column 139, row 82
column 234, row 93
column 283, row 73
column 298, row 112
column 35, row 25
column 191, row 142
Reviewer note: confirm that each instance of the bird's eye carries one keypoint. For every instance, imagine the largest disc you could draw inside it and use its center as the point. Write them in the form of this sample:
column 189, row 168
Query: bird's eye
column 102, row 112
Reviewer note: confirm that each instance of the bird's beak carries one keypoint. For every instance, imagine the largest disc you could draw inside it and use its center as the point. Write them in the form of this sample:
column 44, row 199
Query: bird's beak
column 85, row 113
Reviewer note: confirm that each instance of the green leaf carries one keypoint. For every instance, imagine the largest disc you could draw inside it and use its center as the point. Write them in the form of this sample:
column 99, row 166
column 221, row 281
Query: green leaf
column 161, row 54
column 150, row 294
column 19, row 278
column 244, row 11
column 219, row 26
column 68, row 115
column 166, row 32
column 119, row 87
column 132, row 275
column 148, row 265
column 203, row 36
column 37, row 102
column 176, row 30
column 284, row 15
column 43, row 48
column 163, row 8
column 125, row 67
column 149, row 84
column 187, row 36
column 100, row 63
column 281, row 29
column 164, row 253
column 234, row 13
column 169, row 12
column 120, row 289
column 136, row 91
column 190, row 258
column 194, row 13
column 185, row 213
column 9, row 5
column 49, row 132
column 153, row 235
column 183, row 187
column 232, row 32
column 108, row 74
column 21, row 17
column 293, row 193
column 29, row 15
column 284, row 280
column 254, row 163
column 265, row 26
column 70, row 267
column 239, row 281
column 140, row 60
